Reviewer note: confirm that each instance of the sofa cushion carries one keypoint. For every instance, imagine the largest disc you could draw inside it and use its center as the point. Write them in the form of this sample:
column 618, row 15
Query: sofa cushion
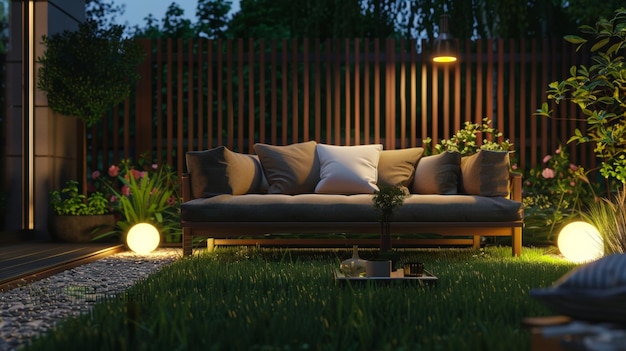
column 397, row 167
column 290, row 169
column 437, row 174
column 348, row 208
column 348, row 169
column 485, row 173
column 595, row 291
column 222, row 171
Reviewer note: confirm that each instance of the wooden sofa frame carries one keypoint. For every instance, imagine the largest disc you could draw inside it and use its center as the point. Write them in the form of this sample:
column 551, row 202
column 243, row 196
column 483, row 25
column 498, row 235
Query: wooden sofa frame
column 224, row 233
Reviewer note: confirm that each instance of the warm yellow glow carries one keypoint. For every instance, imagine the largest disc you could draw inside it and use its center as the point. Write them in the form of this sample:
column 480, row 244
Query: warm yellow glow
column 444, row 59
column 580, row 242
column 143, row 238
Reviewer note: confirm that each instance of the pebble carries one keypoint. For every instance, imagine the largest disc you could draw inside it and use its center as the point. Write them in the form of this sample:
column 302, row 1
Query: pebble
column 35, row 308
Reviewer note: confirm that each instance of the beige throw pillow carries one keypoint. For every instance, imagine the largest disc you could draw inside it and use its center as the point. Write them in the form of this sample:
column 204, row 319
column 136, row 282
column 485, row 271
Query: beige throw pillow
column 291, row 169
column 397, row 167
column 348, row 169
column 221, row 171
column 437, row 174
column 485, row 173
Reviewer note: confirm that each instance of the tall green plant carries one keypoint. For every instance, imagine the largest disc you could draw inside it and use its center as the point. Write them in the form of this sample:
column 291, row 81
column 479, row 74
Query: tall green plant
column 609, row 217
column 87, row 71
column 600, row 92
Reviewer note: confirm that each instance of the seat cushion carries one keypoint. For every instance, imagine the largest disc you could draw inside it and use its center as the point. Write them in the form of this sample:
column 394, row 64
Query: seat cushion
column 347, row 208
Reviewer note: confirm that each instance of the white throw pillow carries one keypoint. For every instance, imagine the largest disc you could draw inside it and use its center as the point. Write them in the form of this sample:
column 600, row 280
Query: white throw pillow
column 348, row 169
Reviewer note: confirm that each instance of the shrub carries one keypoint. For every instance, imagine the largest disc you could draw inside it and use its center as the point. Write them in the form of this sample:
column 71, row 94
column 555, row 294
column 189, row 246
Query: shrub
column 554, row 192
column 148, row 193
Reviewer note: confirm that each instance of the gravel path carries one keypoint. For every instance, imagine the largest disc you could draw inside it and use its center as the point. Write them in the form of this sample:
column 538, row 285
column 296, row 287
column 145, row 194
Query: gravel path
column 35, row 308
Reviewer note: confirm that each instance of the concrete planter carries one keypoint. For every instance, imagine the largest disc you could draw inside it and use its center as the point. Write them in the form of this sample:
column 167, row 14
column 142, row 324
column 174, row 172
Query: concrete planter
column 79, row 229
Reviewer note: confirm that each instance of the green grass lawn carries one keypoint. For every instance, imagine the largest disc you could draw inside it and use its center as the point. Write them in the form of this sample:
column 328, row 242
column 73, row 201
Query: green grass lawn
column 287, row 299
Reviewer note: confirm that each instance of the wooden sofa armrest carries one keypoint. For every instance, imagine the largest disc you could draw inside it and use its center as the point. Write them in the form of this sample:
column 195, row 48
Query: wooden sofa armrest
column 515, row 181
column 185, row 187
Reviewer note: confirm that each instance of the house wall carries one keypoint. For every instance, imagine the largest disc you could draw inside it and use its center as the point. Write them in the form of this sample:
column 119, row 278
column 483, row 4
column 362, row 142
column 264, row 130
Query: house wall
column 42, row 156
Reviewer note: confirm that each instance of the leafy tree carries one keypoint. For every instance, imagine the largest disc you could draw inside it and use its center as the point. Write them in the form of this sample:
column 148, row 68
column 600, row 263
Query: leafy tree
column 212, row 18
column 599, row 91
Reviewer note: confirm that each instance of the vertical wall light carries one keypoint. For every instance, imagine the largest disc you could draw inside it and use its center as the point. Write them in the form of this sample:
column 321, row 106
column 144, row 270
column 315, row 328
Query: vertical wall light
column 444, row 47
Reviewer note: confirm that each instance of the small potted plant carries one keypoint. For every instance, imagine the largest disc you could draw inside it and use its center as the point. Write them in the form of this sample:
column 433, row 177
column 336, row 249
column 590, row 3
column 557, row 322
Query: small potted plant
column 78, row 217
column 386, row 200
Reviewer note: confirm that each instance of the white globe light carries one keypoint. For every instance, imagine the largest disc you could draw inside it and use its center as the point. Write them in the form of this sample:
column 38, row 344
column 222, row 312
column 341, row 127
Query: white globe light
column 143, row 238
column 580, row 242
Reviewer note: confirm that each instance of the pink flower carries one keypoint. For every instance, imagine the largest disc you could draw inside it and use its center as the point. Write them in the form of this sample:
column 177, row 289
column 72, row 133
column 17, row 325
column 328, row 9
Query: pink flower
column 573, row 167
column 546, row 158
column 514, row 167
column 95, row 174
column 548, row 173
column 557, row 151
column 572, row 183
column 155, row 166
column 114, row 171
column 171, row 201
column 113, row 198
column 136, row 174
column 125, row 190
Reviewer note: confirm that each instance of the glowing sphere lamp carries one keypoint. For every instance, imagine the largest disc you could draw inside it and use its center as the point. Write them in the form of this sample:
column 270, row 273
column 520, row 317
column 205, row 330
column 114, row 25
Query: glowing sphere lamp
column 580, row 242
column 143, row 238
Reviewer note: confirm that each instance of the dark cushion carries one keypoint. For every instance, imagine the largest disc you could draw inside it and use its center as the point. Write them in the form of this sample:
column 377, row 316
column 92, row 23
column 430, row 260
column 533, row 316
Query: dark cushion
column 485, row 173
column 397, row 167
column 595, row 291
column 290, row 169
column 221, row 171
column 348, row 208
column 437, row 174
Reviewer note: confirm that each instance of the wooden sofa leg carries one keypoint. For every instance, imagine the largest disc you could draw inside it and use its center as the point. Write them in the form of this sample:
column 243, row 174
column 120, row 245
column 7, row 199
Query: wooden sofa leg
column 187, row 245
column 210, row 244
column 517, row 241
column 476, row 242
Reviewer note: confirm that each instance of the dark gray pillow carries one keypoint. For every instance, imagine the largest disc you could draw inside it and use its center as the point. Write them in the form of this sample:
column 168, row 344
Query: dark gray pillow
column 221, row 171
column 291, row 169
column 437, row 174
column 485, row 173
column 595, row 291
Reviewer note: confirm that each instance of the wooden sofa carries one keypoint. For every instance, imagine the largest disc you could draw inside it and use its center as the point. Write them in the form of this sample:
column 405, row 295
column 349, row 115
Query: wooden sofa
column 246, row 219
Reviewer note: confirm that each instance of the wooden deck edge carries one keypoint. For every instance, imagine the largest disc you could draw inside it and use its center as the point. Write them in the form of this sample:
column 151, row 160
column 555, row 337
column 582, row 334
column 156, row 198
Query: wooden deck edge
column 38, row 274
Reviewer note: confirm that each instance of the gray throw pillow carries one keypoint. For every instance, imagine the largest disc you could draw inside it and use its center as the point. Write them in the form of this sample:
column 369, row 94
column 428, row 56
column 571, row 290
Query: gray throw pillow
column 291, row 169
column 437, row 174
column 221, row 171
column 397, row 167
column 485, row 173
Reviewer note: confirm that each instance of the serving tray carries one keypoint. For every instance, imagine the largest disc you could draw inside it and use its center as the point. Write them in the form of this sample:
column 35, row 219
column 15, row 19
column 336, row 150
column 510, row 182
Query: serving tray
column 397, row 275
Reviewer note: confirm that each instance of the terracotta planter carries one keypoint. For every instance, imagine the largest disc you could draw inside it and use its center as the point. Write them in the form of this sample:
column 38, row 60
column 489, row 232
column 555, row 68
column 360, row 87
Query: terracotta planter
column 79, row 229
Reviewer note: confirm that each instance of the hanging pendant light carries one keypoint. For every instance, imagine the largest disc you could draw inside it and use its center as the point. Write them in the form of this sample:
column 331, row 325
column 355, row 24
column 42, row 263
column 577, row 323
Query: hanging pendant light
column 444, row 47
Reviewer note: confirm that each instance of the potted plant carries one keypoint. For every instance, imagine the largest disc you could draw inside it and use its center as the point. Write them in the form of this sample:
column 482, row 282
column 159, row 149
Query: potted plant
column 77, row 217
column 386, row 200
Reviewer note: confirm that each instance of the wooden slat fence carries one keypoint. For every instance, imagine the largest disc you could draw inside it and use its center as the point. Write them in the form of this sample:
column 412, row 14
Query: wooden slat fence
column 198, row 94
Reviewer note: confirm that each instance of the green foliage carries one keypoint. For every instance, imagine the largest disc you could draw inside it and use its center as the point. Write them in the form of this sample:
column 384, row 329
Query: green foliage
column 599, row 92
column 260, row 299
column 87, row 71
column 609, row 217
column 388, row 199
column 466, row 140
column 148, row 194
column 69, row 201
column 554, row 192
